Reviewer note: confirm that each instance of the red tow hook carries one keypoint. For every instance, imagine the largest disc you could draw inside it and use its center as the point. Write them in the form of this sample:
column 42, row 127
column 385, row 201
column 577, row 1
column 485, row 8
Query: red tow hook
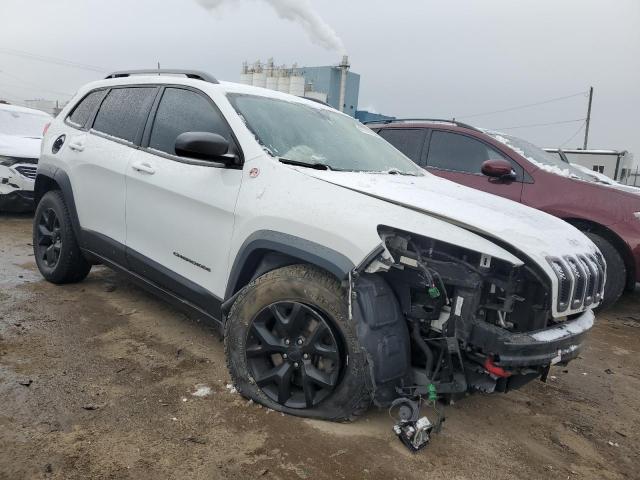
column 493, row 369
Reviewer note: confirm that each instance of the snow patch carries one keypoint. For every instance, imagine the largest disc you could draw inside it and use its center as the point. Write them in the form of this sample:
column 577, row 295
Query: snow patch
column 202, row 390
column 564, row 172
column 583, row 323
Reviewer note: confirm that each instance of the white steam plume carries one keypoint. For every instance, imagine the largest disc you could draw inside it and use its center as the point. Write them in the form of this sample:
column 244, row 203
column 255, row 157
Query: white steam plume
column 303, row 13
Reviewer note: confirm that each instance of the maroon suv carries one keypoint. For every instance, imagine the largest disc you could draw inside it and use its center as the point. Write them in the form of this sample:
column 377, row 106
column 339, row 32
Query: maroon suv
column 516, row 169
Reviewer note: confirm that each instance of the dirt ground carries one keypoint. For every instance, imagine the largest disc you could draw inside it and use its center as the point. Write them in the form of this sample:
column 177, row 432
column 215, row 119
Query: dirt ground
column 97, row 382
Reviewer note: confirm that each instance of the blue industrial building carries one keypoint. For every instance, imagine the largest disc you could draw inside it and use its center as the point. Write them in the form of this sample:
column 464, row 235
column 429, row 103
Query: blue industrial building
column 326, row 80
column 335, row 85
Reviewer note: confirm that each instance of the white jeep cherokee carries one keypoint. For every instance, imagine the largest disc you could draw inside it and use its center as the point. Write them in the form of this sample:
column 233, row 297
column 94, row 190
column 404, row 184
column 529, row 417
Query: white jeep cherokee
column 340, row 273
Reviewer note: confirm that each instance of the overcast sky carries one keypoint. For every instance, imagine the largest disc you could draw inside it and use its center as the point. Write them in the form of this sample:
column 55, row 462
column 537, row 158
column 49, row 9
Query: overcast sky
column 416, row 57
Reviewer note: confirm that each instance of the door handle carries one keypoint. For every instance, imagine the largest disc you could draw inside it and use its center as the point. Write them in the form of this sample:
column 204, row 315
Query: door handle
column 144, row 167
column 76, row 146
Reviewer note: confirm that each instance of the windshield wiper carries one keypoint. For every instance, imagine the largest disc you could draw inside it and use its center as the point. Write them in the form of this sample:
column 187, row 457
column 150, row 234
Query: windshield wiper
column 297, row 163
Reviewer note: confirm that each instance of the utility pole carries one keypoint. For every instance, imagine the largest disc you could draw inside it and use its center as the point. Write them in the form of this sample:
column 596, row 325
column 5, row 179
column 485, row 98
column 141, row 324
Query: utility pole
column 586, row 129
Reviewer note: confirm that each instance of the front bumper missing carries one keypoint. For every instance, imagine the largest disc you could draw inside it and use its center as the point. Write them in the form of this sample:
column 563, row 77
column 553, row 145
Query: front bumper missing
column 556, row 344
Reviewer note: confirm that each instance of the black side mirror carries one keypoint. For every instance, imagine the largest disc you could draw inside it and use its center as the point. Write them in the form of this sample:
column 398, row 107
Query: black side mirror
column 204, row 146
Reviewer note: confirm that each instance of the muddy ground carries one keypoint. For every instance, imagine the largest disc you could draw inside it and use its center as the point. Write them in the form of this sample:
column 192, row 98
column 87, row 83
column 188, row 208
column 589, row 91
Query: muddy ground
column 97, row 382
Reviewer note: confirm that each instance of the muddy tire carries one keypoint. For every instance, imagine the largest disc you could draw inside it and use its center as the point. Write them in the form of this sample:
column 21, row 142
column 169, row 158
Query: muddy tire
column 55, row 247
column 291, row 347
column 616, row 271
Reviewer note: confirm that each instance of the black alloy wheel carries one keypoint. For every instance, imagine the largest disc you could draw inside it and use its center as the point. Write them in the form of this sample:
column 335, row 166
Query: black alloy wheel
column 293, row 354
column 49, row 238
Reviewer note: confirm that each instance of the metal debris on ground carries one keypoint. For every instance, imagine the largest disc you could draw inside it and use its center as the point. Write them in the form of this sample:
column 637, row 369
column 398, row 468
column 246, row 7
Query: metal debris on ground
column 412, row 430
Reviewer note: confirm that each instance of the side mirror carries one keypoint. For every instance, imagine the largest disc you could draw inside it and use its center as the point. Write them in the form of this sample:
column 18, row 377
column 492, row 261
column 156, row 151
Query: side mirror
column 498, row 168
column 204, row 146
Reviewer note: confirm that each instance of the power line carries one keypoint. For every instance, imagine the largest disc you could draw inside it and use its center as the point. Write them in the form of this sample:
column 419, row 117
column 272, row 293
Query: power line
column 543, row 102
column 572, row 136
column 541, row 124
column 33, row 87
column 53, row 60
column 36, row 85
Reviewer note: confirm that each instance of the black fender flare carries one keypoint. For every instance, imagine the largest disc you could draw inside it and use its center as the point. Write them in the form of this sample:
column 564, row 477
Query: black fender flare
column 249, row 258
column 49, row 175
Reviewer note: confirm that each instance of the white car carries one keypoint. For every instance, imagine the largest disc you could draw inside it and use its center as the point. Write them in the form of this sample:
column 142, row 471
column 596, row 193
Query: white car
column 21, row 132
column 339, row 272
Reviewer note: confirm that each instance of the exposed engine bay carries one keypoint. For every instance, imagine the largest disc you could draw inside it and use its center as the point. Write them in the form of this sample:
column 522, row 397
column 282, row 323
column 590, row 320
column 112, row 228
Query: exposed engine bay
column 464, row 317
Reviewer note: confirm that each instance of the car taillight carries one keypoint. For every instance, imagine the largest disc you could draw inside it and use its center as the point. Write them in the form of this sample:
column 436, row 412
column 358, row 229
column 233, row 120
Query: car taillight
column 46, row 127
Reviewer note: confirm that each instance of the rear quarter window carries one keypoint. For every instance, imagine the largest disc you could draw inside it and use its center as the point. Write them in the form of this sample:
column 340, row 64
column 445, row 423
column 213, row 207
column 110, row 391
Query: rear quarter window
column 124, row 111
column 85, row 108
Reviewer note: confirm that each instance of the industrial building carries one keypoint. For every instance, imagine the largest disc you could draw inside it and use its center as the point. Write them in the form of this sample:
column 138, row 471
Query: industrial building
column 617, row 165
column 335, row 85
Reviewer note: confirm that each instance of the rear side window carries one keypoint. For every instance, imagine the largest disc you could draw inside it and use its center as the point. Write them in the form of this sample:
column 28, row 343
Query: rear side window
column 183, row 111
column 82, row 112
column 408, row 141
column 460, row 153
column 124, row 112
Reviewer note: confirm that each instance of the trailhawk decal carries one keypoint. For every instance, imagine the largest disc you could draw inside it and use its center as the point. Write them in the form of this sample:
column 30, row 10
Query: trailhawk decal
column 192, row 262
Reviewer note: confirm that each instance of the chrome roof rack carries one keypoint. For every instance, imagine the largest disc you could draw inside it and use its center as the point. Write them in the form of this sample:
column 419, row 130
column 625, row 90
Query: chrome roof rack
column 205, row 77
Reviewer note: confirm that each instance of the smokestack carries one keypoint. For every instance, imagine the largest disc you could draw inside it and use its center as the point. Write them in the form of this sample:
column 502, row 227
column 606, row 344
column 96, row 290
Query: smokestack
column 344, row 67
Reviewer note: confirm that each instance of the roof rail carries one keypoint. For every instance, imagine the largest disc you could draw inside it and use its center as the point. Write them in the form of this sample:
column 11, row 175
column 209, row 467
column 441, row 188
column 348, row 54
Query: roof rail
column 400, row 120
column 164, row 71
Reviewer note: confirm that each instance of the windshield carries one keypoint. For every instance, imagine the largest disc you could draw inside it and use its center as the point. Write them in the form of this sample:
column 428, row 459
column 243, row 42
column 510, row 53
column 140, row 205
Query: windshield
column 317, row 136
column 22, row 124
column 544, row 160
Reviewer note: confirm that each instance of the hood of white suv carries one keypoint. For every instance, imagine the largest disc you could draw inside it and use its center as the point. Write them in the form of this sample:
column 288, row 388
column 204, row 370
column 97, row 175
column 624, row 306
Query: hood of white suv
column 20, row 147
column 531, row 231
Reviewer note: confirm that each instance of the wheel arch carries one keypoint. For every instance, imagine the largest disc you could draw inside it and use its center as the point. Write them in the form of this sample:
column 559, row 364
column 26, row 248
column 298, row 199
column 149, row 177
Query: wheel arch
column 613, row 238
column 52, row 178
column 266, row 250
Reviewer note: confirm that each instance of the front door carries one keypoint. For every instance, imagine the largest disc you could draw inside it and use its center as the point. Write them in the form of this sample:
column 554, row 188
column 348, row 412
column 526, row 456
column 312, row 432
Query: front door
column 180, row 212
column 459, row 158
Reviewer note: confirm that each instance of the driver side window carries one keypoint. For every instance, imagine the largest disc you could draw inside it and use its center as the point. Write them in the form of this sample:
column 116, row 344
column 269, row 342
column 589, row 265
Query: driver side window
column 460, row 153
column 183, row 111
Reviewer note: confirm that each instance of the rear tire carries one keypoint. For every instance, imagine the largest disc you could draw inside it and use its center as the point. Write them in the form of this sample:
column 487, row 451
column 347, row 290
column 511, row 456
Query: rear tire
column 55, row 247
column 616, row 271
column 293, row 353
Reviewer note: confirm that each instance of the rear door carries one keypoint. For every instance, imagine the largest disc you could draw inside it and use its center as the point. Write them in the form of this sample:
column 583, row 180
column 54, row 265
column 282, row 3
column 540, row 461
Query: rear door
column 180, row 212
column 459, row 157
column 98, row 160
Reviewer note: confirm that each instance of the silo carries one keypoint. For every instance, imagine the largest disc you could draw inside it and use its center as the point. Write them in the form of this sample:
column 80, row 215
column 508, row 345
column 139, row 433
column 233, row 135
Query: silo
column 283, row 81
column 246, row 78
column 259, row 79
column 296, row 85
column 272, row 79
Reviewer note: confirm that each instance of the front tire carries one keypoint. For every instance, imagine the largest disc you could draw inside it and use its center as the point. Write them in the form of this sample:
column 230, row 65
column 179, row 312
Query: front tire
column 616, row 271
column 291, row 347
column 55, row 247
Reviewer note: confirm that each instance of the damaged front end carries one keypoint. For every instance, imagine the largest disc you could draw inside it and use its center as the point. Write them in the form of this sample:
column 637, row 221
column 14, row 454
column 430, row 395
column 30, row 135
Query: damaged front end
column 17, row 177
column 434, row 314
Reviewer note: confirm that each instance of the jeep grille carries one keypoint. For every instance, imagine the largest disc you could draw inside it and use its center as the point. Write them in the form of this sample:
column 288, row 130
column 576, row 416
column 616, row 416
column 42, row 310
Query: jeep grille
column 580, row 280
